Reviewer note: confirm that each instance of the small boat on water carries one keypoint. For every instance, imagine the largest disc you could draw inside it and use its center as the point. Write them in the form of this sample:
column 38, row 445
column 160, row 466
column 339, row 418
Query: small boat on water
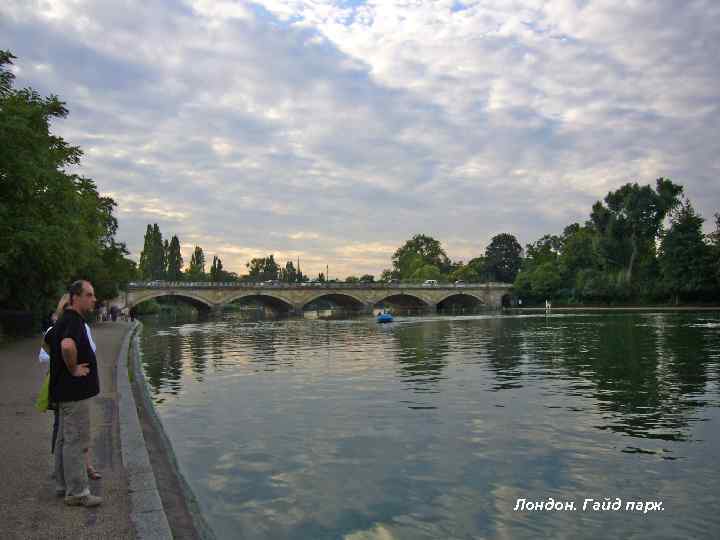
column 384, row 318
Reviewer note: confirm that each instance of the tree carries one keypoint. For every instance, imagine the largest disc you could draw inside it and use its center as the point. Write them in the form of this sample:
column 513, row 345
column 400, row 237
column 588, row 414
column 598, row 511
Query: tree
column 174, row 260
column 578, row 250
column 367, row 278
column 263, row 269
column 289, row 274
column 145, row 266
column 545, row 249
column 714, row 239
column 153, row 265
column 684, row 255
column 630, row 222
column 465, row 272
column 545, row 280
column 418, row 252
column 426, row 272
column 216, row 270
column 196, row 270
column 166, row 257
column 352, row 279
column 110, row 272
column 503, row 257
column 51, row 222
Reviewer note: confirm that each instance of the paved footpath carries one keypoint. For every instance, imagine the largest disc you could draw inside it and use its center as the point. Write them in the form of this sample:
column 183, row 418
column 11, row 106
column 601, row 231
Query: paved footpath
column 28, row 506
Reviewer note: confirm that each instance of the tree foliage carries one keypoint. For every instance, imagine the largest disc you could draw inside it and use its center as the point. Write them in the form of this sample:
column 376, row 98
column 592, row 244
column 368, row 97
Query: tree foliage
column 685, row 258
column 503, row 257
column 216, row 270
column 630, row 221
column 418, row 253
column 174, row 260
column 196, row 269
column 614, row 257
column 263, row 269
column 290, row 274
column 153, row 259
column 54, row 225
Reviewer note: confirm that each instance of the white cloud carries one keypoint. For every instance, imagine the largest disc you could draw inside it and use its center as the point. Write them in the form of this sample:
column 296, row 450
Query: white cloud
column 336, row 131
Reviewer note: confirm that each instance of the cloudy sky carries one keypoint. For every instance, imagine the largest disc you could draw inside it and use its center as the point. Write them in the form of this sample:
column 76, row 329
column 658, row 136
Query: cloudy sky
column 333, row 131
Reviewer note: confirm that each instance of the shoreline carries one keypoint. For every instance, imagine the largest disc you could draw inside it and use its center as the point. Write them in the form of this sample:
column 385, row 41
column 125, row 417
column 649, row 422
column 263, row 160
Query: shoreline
column 179, row 503
column 147, row 513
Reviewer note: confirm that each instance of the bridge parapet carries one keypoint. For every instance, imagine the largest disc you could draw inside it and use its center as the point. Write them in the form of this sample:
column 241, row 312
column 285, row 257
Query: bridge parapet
column 304, row 285
column 213, row 295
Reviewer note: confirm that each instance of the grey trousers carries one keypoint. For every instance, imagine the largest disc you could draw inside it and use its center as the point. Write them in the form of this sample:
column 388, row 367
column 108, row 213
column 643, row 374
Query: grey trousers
column 73, row 438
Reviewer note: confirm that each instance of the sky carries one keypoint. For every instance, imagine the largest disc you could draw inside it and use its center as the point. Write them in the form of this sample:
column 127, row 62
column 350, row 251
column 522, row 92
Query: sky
column 334, row 131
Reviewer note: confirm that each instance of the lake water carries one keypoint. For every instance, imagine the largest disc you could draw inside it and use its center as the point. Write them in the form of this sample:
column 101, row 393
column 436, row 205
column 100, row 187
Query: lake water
column 434, row 428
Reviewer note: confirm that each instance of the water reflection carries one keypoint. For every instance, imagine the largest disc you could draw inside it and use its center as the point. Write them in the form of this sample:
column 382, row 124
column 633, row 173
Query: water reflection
column 421, row 351
column 433, row 427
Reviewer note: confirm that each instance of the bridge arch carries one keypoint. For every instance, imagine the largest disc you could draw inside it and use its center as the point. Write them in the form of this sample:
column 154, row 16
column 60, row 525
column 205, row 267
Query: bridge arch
column 453, row 294
column 404, row 303
column 343, row 298
column 401, row 295
column 198, row 302
column 460, row 302
column 273, row 299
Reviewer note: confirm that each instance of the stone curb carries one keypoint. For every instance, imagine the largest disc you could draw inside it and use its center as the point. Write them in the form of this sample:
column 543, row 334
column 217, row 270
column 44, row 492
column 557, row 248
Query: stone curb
column 146, row 510
column 201, row 526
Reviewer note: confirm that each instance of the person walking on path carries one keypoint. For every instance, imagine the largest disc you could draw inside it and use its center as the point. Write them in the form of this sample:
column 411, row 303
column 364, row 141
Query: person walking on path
column 73, row 381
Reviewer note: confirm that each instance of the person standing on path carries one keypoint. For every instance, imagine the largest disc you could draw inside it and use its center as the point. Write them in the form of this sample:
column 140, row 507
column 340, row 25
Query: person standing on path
column 73, row 381
column 44, row 358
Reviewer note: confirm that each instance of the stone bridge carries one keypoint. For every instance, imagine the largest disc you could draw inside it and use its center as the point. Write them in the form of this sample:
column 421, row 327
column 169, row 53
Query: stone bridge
column 297, row 297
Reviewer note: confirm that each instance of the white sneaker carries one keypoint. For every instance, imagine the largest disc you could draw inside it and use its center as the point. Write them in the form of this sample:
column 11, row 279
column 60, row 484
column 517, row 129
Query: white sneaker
column 88, row 501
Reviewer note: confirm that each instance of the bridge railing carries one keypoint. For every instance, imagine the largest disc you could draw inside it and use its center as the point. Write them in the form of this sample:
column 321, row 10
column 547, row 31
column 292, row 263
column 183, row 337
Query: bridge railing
column 303, row 285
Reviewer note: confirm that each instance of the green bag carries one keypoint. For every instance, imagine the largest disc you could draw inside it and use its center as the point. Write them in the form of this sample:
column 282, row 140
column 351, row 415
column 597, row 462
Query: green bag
column 42, row 403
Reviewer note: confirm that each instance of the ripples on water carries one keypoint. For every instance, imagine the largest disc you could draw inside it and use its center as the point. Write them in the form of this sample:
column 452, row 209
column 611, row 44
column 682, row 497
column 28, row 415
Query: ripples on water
column 434, row 427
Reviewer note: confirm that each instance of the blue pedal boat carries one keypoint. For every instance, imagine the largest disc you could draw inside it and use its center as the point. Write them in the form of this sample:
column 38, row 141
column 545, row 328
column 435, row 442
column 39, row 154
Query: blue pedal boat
column 384, row 318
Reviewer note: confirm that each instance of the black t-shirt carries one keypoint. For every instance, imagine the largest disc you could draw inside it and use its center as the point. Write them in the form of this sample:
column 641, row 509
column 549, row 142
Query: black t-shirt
column 63, row 386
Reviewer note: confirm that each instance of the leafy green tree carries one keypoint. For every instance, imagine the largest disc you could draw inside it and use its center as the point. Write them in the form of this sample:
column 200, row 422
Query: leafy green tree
column 153, row 264
column 174, row 260
column 352, row 279
column 54, row 226
column 714, row 239
column 578, row 251
column 428, row 271
column 545, row 280
column 216, row 270
column 503, row 257
column 367, row 278
column 684, row 256
column 110, row 271
column 630, row 221
column 592, row 286
column 289, row 274
column 546, row 249
column 145, row 266
column 196, row 270
column 166, row 257
column 263, row 269
column 418, row 252
column 465, row 272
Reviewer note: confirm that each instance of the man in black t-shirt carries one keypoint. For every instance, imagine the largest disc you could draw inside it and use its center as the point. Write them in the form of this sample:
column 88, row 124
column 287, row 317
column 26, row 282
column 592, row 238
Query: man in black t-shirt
column 73, row 381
